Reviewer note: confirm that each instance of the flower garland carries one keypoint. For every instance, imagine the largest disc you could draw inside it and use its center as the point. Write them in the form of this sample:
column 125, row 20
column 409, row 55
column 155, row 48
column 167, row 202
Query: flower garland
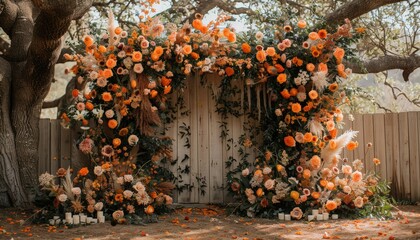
column 127, row 78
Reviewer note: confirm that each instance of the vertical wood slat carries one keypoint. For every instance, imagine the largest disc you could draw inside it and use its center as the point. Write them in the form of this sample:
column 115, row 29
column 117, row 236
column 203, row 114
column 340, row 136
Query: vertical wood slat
column 172, row 133
column 66, row 142
column 227, row 150
column 396, row 168
column 203, row 154
column 44, row 146
column 194, row 194
column 368, row 135
column 389, row 143
column 379, row 144
column 216, row 179
column 358, row 126
column 404, row 155
column 55, row 151
column 413, row 141
column 183, row 150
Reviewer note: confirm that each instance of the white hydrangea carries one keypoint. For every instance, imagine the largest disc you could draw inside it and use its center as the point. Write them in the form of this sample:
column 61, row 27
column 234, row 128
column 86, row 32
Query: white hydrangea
column 45, row 179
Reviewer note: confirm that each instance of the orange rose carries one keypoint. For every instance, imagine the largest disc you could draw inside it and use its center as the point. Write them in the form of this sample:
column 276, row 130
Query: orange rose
column 293, row 92
column 315, row 195
column 322, row 33
column 322, row 67
column 75, row 92
column 118, row 30
column 155, row 57
column 331, row 205
column 102, row 49
column 133, row 83
column 310, row 67
column 153, row 93
column 158, row 51
column 332, row 144
column 281, row 78
column 330, row 186
column 289, row 141
column 116, row 142
column 231, row 37
column 294, row 195
column 165, row 81
column 333, row 87
column 187, row 49
column 296, row 107
column 313, row 36
column 149, row 210
column 306, row 174
column 136, row 56
column 167, row 89
column 271, row 51
column 119, row 197
column 89, row 106
column 153, row 195
column 246, row 48
column 315, row 162
column 229, row 71
column 112, row 123
column 197, row 24
column 313, row 94
column 339, row 54
column 106, row 96
column 260, row 192
column 261, row 56
column 107, row 73
column 307, row 137
column 88, row 40
column 323, row 182
column 110, row 63
column 83, row 171
column 195, row 55
column 285, row 94
column 301, row 24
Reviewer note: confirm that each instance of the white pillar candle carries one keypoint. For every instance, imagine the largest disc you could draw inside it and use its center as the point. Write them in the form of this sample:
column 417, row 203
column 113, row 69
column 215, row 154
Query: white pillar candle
column 57, row 222
column 334, row 216
column 281, row 216
column 287, row 217
column 68, row 215
column 94, row 220
column 56, row 217
column 326, row 216
column 76, row 219
column 99, row 214
column 319, row 217
column 69, row 221
column 315, row 212
column 89, row 220
column 82, row 218
column 52, row 222
column 311, row 217
column 101, row 219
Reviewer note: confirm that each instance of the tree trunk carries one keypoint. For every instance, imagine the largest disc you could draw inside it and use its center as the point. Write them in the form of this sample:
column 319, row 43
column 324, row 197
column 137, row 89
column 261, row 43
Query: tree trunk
column 9, row 168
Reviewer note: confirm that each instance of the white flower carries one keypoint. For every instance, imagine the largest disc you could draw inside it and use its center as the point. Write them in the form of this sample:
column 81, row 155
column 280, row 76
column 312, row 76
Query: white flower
column 267, row 170
column 132, row 140
column 245, row 172
column 347, row 189
column 98, row 206
column 128, row 178
column 120, row 180
column 93, row 75
column 118, row 214
column 109, row 113
column 128, row 62
column 121, row 54
column 278, row 112
column 358, row 202
column 98, row 170
column 76, row 191
column 62, row 197
column 252, row 199
column 139, row 187
column 269, row 184
column 128, row 194
column 138, row 68
column 259, row 36
column 143, row 198
column 45, row 179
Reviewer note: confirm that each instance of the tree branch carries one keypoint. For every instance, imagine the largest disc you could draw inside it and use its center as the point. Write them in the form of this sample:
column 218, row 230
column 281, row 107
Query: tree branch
column 54, row 103
column 407, row 63
column 356, row 8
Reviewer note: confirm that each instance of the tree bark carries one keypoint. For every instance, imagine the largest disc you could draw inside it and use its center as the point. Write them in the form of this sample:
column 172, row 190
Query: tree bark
column 9, row 168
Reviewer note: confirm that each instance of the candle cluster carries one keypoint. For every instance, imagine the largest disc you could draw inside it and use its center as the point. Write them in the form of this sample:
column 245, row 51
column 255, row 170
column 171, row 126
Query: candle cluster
column 316, row 215
column 77, row 219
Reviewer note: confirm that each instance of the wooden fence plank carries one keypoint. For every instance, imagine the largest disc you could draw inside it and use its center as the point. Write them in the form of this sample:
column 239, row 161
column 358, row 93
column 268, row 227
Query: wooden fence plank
column 216, row 179
column 66, row 144
column 368, row 135
column 184, row 144
column 44, row 146
column 203, row 155
column 55, row 150
column 389, row 141
column 413, row 139
column 379, row 144
column 404, row 154
column 194, row 196
column 358, row 126
column 348, row 125
column 172, row 132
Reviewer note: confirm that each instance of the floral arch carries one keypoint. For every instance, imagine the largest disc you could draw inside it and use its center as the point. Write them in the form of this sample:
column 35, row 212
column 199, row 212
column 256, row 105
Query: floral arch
column 287, row 83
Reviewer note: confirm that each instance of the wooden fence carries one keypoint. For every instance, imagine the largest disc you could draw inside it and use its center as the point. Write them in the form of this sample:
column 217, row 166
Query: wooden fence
column 395, row 138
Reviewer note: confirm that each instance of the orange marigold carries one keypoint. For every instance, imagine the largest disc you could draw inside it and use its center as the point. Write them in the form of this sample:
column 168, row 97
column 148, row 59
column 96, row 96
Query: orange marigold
column 352, row 145
column 112, row 123
column 246, row 48
column 136, row 56
column 281, row 78
column 322, row 33
column 296, row 107
column 106, row 96
column 261, row 56
column 229, row 71
column 331, row 205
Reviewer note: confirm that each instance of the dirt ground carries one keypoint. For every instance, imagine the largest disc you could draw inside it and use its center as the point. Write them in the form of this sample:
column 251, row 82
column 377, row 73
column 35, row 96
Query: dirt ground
column 212, row 222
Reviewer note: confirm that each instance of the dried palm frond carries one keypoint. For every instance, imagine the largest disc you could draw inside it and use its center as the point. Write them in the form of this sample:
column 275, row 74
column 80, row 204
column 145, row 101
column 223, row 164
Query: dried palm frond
column 328, row 154
column 148, row 119
column 165, row 187
column 68, row 185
